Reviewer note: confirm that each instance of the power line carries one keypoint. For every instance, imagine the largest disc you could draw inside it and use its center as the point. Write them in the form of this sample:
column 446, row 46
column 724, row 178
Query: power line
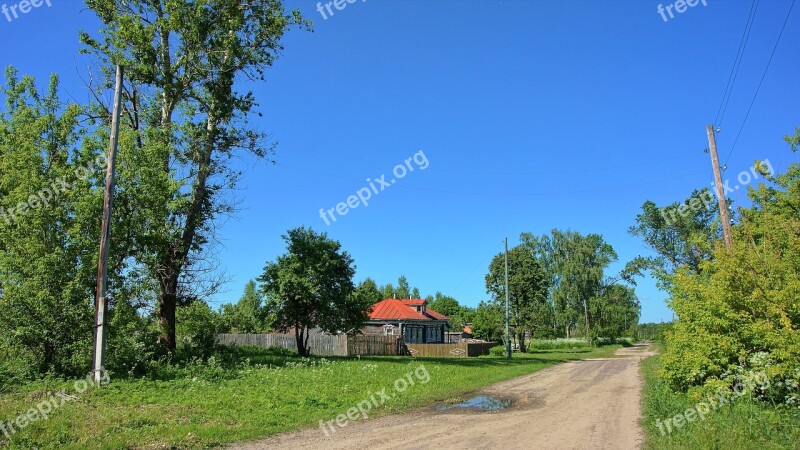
column 737, row 62
column 774, row 48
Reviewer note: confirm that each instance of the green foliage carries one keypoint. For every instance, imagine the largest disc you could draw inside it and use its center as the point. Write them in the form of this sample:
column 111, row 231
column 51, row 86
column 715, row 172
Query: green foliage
column 499, row 350
column 742, row 424
column 489, row 322
column 682, row 234
column 132, row 342
column 368, row 290
column 311, row 286
column 198, row 327
column 458, row 315
column 740, row 313
column 653, row 331
column 248, row 315
column 188, row 117
column 578, row 292
column 549, row 344
column 527, row 290
column 45, row 290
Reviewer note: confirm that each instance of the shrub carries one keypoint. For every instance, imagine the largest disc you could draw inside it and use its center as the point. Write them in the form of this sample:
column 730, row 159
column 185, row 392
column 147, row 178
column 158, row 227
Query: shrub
column 740, row 313
column 549, row 344
column 499, row 350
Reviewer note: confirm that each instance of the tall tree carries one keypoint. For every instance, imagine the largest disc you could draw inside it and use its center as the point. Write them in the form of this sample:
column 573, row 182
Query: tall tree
column 681, row 233
column 311, row 286
column 188, row 119
column 488, row 321
column 46, row 218
column 403, row 289
column 368, row 289
column 527, row 290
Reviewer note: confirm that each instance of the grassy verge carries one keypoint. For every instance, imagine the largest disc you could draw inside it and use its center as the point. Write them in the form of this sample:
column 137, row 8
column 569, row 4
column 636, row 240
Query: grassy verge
column 739, row 425
column 262, row 395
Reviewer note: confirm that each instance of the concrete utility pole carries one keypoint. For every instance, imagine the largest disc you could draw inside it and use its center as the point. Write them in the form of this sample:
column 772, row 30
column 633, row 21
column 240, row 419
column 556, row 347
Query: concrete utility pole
column 105, row 237
column 723, row 207
column 508, row 313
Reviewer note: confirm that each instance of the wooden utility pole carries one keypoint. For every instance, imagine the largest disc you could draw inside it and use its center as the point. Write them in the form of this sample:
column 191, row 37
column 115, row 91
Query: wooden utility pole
column 105, row 237
column 723, row 207
column 508, row 310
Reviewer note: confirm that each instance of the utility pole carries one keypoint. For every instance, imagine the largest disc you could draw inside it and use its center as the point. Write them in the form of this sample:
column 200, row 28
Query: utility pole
column 508, row 313
column 105, row 237
column 723, row 207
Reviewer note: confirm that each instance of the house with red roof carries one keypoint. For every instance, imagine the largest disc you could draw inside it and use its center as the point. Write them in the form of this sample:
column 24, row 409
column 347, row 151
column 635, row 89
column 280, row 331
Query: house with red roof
column 411, row 319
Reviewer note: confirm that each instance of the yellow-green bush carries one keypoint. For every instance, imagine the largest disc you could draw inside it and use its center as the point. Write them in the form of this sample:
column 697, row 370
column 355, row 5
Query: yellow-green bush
column 740, row 314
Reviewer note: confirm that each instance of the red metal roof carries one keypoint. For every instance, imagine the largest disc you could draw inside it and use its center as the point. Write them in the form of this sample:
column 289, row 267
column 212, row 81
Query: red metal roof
column 435, row 314
column 393, row 309
column 414, row 301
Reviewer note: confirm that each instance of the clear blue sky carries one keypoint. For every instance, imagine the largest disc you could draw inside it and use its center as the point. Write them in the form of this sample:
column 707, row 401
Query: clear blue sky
column 562, row 94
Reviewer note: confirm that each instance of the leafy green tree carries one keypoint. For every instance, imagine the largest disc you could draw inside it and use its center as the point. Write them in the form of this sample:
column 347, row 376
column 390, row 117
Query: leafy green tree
column 527, row 291
column 247, row 315
column 388, row 291
column 489, row 321
column 188, row 118
column 45, row 308
column 198, row 327
column 311, row 286
column 403, row 290
column 681, row 233
column 368, row 290
column 444, row 304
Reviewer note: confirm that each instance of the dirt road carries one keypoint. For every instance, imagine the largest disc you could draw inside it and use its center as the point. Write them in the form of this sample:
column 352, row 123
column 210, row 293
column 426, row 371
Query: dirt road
column 591, row 404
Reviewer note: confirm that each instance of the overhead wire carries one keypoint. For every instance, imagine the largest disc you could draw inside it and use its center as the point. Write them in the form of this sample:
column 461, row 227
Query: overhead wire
column 750, row 108
column 737, row 62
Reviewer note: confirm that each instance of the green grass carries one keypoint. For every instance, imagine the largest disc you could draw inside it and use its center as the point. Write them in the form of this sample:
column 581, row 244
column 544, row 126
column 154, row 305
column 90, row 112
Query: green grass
column 262, row 395
column 740, row 425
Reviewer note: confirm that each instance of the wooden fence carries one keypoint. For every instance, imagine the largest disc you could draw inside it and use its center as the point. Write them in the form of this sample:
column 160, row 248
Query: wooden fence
column 459, row 350
column 321, row 345
column 368, row 345
column 361, row 345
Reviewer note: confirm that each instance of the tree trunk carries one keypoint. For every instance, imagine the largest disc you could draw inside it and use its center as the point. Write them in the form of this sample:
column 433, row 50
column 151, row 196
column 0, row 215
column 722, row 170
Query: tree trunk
column 521, row 338
column 167, row 304
column 586, row 316
column 302, row 350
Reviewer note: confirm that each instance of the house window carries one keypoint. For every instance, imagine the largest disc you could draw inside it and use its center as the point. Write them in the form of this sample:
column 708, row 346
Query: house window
column 388, row 330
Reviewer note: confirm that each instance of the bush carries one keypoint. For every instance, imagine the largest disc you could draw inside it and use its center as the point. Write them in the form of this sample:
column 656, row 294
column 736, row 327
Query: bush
column 550, row 344
column 499, row 350
column 740, row 315
column 197, row 329
column 132, row 342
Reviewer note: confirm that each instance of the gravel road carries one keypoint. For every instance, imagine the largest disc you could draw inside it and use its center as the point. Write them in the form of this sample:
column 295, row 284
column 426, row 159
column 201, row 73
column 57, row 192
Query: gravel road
column 589, row 404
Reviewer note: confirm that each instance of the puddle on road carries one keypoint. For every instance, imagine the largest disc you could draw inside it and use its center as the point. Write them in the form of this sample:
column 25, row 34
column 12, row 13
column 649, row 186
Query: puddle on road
column 479, row 403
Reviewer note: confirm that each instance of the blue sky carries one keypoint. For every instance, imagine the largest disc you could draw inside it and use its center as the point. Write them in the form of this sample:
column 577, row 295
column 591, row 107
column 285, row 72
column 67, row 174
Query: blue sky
column 533, row 115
